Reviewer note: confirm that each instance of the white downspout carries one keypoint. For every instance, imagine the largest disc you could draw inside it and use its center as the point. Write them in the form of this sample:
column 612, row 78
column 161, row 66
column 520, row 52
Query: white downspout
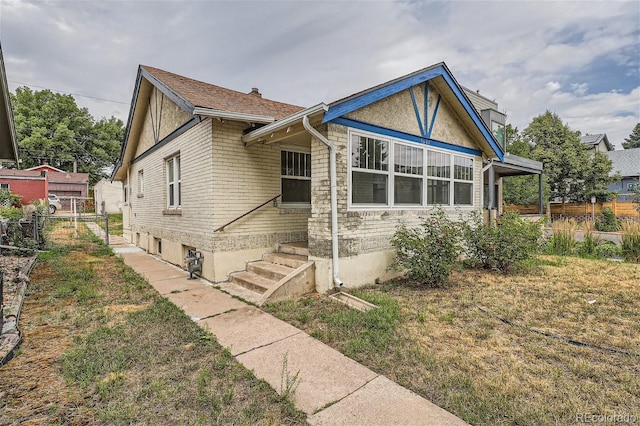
column 334, row 199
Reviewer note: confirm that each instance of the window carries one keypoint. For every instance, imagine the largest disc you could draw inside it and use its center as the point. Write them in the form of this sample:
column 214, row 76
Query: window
column 408, row 174
column 140, row 182
column 499, row 133
column 295, row 171
column 417, row 176
column 370, row 169
column 4, row 186
column 174, row 196
column 126, row 193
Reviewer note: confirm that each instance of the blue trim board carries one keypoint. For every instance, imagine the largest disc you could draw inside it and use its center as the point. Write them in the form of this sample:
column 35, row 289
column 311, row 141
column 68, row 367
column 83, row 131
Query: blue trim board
column 382, row 92
column 404, row 136
column 415, row 108
column 433, row 119
column 353, row 103
column 426, row 106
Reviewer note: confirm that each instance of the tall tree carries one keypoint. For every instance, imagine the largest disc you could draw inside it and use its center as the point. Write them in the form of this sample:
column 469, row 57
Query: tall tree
column 633, row 141
column 519, row 189
column 51, row 128
column 571, row 171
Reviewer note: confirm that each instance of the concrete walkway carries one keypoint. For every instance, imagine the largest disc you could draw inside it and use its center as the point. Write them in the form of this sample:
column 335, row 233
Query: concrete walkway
column 332, row 389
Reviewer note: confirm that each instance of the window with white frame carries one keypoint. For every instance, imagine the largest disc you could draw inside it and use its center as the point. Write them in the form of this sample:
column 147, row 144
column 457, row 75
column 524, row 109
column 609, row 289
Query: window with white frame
column 370, row 170
column 295, row 171
column 4, row 186
column 125, row 190
column 386, row 172
column 141, row 182
column 174, row 198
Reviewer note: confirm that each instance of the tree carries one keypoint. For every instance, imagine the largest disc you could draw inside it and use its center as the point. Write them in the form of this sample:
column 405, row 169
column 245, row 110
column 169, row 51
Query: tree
column 633, row 141
column 570, row 170
column 519, row 189
column 51, row 127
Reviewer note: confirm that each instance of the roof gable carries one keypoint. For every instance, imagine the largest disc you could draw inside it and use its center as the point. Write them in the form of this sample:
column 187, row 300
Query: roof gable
column 440, row 75
column 190, row 94
column 47, row 168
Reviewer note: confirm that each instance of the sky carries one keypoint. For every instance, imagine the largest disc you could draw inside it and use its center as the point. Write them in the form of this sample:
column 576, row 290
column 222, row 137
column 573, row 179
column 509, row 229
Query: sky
column 580, row 60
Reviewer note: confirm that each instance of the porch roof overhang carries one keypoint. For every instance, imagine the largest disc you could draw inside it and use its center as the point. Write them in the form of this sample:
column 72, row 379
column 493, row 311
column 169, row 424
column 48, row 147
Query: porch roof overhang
column 286, row 127
column 513, row 165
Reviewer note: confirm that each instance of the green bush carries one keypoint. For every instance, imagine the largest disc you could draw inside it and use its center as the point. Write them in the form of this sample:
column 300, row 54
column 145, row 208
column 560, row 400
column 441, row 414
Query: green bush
column 503, row 247
column 587, row 248
column 607, row 221
column 607, row 250
column 427, row 253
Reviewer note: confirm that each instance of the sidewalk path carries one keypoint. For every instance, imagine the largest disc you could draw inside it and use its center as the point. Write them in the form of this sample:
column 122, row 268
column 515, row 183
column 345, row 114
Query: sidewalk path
column 332, row 389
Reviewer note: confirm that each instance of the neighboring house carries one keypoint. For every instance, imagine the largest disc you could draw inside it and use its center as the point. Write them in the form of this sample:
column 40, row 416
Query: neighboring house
column 8, row 141
column 31, row 185
column 109, row 193
column 627, row 163
column 598, row 142
column 66, row 185
column 197, row 156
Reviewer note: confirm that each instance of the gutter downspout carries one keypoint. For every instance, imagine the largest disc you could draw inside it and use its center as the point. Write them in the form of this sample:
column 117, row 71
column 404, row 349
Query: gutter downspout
column 334, row 199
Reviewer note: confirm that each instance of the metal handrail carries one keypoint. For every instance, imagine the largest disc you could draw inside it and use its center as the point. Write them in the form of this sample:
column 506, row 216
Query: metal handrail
column 247, row 213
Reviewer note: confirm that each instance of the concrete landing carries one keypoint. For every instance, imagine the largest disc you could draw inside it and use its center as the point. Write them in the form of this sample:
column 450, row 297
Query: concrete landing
column 331, row 388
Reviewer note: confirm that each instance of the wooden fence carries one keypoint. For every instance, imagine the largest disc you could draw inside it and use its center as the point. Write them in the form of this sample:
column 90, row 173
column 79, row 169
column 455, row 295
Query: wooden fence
column 619, row 208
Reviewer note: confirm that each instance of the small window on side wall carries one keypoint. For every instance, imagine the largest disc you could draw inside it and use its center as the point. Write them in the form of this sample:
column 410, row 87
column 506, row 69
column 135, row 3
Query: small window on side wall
column 295, row 177
column 140, row 183
column 174, row 196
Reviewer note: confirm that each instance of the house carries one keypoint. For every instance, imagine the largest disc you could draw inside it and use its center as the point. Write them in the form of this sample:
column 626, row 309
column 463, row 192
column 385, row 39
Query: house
column 598, row 142
column 236, row 176
column 109, row 193
column 8, row 141
column 29, row 184
column 627, row 163
column 66, row 185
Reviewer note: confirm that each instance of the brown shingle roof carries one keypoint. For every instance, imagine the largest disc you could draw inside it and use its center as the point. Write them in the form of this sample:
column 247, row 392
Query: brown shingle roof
column 205, row 95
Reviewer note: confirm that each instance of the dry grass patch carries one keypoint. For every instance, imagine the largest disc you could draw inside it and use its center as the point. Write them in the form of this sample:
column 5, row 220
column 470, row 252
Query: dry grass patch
column 477, row 348
column 102, row 347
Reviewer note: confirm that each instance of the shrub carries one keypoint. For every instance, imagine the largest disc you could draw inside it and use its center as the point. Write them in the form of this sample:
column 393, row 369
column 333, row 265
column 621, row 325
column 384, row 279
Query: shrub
column 427, row 253
column 631, row 241
column 503, row 247
column 607, row 250
column 607, row 221
column 563, row 241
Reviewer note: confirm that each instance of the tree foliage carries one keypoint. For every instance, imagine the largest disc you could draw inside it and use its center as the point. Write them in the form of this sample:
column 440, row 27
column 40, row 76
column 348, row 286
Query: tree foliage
column 520, row 189
column 633, row 141
column 52, row 128
column 571, row 171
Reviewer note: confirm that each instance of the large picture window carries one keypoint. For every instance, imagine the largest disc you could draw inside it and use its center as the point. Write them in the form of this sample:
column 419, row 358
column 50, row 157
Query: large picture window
column 174, row 196
column 295, row 171
column 385, row 172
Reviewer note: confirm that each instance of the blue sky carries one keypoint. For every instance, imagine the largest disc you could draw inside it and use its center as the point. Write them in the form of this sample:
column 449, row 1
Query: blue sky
column 578, row 59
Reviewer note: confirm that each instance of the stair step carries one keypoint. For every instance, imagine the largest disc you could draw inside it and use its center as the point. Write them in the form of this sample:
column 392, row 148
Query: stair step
column 269, row 270
column 300, row 249
column 286, row 259
column 252, row 281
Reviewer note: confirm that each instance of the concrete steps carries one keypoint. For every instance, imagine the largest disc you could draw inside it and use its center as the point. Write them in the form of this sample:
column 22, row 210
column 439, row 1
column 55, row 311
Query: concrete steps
column 262, row 277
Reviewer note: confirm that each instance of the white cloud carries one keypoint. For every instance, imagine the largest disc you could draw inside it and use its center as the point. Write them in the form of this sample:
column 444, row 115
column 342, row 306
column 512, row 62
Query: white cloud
column 526, row 55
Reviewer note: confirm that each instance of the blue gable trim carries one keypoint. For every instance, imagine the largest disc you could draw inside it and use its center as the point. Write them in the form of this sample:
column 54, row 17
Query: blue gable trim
column 404, row 136
column 351, row 104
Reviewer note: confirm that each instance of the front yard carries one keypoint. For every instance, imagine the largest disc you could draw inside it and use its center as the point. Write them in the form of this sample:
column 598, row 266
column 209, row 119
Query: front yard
column 549, row 346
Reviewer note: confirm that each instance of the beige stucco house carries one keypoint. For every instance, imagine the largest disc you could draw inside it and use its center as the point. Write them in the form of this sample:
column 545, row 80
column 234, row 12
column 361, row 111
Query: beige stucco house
column 334, row 179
